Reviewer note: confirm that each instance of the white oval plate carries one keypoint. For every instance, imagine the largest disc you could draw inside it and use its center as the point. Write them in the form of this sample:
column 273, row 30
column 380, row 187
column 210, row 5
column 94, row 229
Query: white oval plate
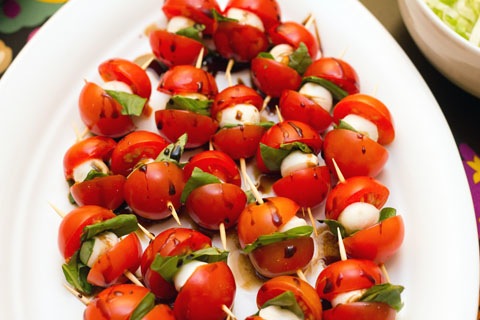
column 438, row 263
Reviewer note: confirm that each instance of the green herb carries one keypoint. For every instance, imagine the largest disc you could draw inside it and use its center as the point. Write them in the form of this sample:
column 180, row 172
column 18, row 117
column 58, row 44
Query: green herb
column 386, row 213
column 201, row 107
column 266, row 55
column 297, row 232
column 337, row 92
column 194, row 32
column 386, row 293
column 86, row 250
column 132, row 104
column 197, row 179
column 120, row 225
column 220, row 18
column 333, row 225
column 173, row 152
column 286, row 300
column 92, row 174
column 144, row 307
column 300, row 59
column 76, row 275
column 342, row 124
column 273, row 157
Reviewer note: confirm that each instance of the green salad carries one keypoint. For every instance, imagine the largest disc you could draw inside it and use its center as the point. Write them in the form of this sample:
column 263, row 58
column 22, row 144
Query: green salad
column 462, row 16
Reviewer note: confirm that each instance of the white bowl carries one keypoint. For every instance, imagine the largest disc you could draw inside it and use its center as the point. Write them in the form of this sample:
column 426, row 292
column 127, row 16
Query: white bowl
column 455, row 57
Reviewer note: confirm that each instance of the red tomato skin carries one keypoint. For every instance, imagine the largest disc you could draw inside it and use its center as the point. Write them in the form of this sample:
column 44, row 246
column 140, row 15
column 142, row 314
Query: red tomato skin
column 355, row 189
column 160, row 311
column 173, row 50
column 239, row 42
column 106, row 192
column 308, row 187
column 260, row 219
column 240, row 141
column 214, row 162
column 96, row 147
column 170, row 242
column 347, row 275
column 371, row 109
column 197, row 10
column 174, row 123
column 110, row 267
column 188, row 79
column 272, row 77
column 71, row 228
column 216, row 203
column 294, row 33
column 210, row 287
column 268, row 11
column 354, row 153
column 295, row 106
column 233, row 95
column 102, row 114
column 305, row 294
column 283, row 257
column 377, row 243
column 361, row 311
column 117, row 302
column 337, row 71
column 132, row 74
column 135, row 147
column 150, row 188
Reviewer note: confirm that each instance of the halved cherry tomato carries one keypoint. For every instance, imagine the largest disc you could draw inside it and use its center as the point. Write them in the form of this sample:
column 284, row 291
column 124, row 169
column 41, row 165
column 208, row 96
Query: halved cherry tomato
column 205, row 293
column 151, row 189
column 105, row 191
column 267, row 11
column 188, row 79
column 272, row 77
column 337, row 71
column 304, row 293
column 71, row 228
column 369, row 108
column 355, row 153
column 173, row 50
column 295, row 106
column 238, row 142
column 378, row 242
column 216, row 203
column 102, row 114
column 135, row 147
column 128, row 72
column 199, row 11
column 233, row 95
column 355, row 189
column 294, row 33
column 361, row 311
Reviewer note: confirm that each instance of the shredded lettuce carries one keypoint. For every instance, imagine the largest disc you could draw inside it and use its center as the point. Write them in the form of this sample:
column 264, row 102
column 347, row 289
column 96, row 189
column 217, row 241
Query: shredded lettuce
column 462, row 16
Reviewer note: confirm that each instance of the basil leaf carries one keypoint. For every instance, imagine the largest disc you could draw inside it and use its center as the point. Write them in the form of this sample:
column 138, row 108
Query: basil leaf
column 272, row 157
column 173, row 152
column 120, row 225
column 300, row 59
column 144, row 307
column 201, row 107
column 386, row 293
column 92, row 174
column 219, row 18
column 287, row 301
column 296, row 146
column 76, row 273
column 167, row 267
column 197, row 179
column 386, row 213
column 132, row 105
column 266, row 55
column 297, row 232
column 250, row 197
column 333, row 225
column 194, row 32
column 86, row 250
column 337, row 92
column 265, row 124
column 345, row 125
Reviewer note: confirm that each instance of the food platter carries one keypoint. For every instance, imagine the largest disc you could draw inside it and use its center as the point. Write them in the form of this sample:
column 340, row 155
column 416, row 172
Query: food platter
column 438, row 262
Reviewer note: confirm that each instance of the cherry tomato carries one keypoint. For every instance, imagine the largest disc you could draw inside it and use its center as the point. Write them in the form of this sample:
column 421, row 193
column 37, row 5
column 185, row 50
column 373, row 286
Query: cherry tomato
column 173, row 50
column 110, row 266
column 240, row 141
column 369, row 108
column 378, row 242
column 216, row 203
column 204, row 294
column 355, row 189
column 295, row 106
column 347, row 275
column 102, row 114
column 197, row 10
column 135, row 147
column 128, row 72
column 294, row 33
column 151, row 189
column 272, row 77
column 354, row 153
column 170, row 242
column 361, row 311
column 308, row 187
column 337, row 71
column 188, row 79
column 304, row 293
column 267, row 11
column 105, row 191
column 214, row 162
column 96, row 147
column 71, row 228
column 233, row 95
